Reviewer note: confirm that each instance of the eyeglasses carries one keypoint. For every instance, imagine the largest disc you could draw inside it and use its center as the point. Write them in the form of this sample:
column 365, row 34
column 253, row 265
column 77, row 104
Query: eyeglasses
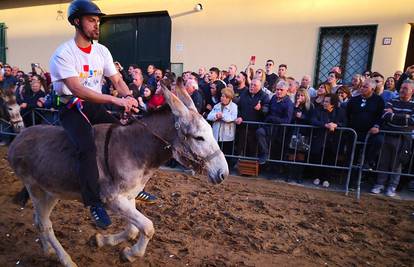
column 364, row 102
column 269, row 64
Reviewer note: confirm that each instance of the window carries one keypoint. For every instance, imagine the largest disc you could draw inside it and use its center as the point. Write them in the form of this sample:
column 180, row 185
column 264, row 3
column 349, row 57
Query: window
column 3, row 42
column 351, row 48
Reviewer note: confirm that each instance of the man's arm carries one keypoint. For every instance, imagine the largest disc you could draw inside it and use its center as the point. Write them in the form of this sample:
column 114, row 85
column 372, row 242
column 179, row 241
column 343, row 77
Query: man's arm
column 119, row 84
column 86, row 94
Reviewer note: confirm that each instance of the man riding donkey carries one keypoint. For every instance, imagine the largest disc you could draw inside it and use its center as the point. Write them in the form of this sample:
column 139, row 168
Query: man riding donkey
column 77, row 68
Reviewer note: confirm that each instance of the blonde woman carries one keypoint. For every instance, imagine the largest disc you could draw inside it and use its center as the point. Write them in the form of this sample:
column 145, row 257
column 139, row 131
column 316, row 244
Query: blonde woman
column 223, row 116
column 356, row 84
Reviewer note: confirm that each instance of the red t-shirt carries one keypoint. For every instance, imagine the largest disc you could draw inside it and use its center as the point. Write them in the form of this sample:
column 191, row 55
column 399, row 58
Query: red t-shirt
column 156, row 101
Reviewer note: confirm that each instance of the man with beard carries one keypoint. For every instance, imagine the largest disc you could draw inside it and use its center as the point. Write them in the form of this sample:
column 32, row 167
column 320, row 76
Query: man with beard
column 77, row 68
column 240, row 86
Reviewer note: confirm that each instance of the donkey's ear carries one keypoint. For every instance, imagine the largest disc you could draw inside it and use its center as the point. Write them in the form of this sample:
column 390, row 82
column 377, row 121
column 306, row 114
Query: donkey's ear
column 177, row 107
column 185, row 98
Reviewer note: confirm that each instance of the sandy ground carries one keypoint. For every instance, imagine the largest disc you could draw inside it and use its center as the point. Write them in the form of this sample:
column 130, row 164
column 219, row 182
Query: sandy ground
column 243, row 222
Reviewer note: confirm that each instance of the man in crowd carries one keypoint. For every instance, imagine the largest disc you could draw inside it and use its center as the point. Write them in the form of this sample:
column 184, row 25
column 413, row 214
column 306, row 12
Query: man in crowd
column 231, row 77
column 137, row 86
column 280, row 111
column 398, row 116
column 306, row 83
column 364, row 116
column 151, row 76
column 8, row 79
column 240, row 86
column 271, row 77
column 379, row 87
column 253, row 106
column 293, row 88
column 191, row 87
column 282, row 71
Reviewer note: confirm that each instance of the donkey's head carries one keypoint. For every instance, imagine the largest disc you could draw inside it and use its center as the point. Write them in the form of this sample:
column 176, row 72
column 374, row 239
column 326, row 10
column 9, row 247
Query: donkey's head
column 195, row 146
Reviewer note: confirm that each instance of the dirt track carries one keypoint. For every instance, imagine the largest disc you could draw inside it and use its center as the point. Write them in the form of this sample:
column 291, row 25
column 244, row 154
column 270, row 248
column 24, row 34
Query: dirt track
column 244, row 222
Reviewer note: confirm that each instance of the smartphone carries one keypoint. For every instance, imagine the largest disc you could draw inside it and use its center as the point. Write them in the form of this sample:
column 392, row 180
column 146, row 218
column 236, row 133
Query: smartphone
column 253, row 60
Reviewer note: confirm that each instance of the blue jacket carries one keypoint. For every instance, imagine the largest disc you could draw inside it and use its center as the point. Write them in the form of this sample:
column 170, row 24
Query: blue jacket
column 280, row 111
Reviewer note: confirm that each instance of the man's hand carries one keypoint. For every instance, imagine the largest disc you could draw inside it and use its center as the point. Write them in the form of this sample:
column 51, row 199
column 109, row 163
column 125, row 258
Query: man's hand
column 239, row 120
column 374, row 130
column 23, row 105
column 128, row 103
column 258, row 106
column 388, row 110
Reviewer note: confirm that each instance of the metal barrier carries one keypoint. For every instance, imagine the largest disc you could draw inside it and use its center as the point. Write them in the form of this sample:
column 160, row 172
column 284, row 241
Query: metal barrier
column 345, row 142
column 383, row 136
column 345, row 139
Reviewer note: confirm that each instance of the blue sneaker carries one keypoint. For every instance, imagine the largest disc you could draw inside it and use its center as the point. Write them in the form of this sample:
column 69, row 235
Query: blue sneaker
column 100, row 216
column 146, row 197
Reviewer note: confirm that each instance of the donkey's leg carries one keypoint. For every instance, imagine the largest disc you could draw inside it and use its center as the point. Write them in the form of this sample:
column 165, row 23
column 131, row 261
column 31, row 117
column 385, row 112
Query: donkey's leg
column 130, row 233
column 43, row 204
column 123, row 206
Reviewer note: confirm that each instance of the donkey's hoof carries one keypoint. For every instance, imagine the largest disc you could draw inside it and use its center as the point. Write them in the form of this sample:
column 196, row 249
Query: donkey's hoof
column 126, row 255
column 69, row 263
column 99, row 240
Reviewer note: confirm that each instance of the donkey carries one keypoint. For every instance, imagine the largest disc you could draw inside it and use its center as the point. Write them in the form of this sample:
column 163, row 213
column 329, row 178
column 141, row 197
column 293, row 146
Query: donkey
column 44, row 159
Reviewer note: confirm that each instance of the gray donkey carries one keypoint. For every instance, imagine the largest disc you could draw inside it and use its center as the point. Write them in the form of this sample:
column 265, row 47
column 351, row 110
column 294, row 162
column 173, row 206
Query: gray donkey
column 44, row 159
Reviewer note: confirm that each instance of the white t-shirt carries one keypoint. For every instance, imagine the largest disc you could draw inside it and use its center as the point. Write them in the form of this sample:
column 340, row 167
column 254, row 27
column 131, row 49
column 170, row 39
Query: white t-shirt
column 69, row 61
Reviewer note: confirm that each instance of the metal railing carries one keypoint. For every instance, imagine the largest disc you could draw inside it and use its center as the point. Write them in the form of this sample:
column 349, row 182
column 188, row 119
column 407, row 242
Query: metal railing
column 342, row 142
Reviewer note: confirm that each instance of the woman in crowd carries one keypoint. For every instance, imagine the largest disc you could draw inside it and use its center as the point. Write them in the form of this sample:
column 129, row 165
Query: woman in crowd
column 261, row 75
column 323, row 89
column 215, row 93
column 356, row 84
column 390, row 84
column 145, row 99
column 223, row 116
column 344, row 94
column 326, row 140
column 299, row 144
column 158, row 99
column 29, row 97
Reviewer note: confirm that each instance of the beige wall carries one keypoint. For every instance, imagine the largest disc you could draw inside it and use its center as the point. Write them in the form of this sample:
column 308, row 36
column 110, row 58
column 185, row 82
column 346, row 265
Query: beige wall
column 229, row 31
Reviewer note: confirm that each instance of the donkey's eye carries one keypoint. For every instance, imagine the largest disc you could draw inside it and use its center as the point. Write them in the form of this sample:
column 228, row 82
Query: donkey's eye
column 199, row 138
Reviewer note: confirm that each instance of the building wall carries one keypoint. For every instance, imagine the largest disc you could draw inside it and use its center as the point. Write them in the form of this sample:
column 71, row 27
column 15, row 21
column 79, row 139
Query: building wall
column 226, row 32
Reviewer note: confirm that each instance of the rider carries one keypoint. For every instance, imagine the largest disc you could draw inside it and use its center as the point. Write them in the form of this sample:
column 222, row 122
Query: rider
column 77, row 68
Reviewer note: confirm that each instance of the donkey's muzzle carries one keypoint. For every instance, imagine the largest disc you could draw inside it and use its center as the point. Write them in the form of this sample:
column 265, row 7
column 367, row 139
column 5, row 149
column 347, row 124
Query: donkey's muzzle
column 219, row 176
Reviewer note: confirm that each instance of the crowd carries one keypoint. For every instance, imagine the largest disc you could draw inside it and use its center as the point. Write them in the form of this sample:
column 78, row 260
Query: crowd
column 264, row 99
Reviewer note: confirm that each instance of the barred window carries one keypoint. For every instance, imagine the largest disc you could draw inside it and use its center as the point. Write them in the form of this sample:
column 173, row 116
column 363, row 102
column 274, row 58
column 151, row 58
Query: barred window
column 349, row 47
column 3, row 42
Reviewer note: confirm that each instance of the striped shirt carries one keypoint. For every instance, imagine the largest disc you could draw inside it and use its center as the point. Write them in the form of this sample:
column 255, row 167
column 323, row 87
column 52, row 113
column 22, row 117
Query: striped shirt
column 402, row 117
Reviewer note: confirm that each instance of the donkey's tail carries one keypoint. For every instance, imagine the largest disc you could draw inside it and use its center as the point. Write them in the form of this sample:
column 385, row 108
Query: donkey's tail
column 21, row 197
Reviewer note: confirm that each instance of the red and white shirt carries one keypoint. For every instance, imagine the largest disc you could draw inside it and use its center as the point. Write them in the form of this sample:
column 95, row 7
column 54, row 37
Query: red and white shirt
column 70, row 61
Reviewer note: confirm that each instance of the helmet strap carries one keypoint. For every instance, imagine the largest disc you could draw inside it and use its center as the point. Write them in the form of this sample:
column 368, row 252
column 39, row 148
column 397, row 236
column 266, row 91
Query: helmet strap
column 80, row 28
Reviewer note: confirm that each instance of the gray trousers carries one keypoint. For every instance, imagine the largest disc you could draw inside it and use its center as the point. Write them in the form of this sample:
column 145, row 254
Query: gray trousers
column 390, row 161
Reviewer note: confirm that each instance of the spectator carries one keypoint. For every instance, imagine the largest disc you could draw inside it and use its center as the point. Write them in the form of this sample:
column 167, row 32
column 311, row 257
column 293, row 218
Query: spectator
column 145, row 98
column 223, row 75
column 231, row 78
column 260, row 74
column 302, row 114
column 150, row 79
column 130, row 73
column 398, row 116
column 282, row 71
column 344, row 94
column 367, row 74
column 215, row 91
column 8, row 79
column 191, row 86
column 271, row 77
column 306, row 83
column 333, row 78
column 137, row 86
column 157, row 100
column 397, row 75
column 356, row 84
column 326, row 142
column 201, row 78
column 364, row 116
column 293, row 88
column 379, row 89
column 30, row 97
column 323, row 90
column 121, row 70
column 408, row 74
column 253, row 106
column 280, row 111
column 223, row 116
column 240, row 87
column 390, row 84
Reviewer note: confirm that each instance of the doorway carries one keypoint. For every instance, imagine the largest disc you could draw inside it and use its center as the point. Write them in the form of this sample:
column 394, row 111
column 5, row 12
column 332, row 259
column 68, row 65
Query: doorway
column 141, row 38
column 409, row 58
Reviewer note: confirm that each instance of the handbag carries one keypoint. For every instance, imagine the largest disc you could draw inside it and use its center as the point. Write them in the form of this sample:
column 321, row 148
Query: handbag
column 299, row 142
